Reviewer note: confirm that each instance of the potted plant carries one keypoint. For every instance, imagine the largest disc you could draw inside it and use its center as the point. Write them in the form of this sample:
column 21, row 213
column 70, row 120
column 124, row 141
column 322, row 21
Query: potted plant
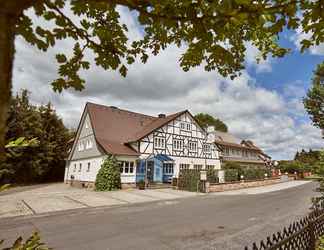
column 141, row 185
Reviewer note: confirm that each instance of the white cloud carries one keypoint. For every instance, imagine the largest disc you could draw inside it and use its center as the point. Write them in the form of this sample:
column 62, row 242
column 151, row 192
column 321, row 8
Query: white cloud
column 300, row 36
column 251, row 55
column 265, row 116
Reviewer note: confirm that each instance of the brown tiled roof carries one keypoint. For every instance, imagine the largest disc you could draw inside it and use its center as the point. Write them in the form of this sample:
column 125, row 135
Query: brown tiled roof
column 157, row 123
column 225, row 158
column 114, row 128
column 223, row 143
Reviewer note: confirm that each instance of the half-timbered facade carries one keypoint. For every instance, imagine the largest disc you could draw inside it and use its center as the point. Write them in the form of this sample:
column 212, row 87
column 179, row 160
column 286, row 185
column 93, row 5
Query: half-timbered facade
column 147, row 147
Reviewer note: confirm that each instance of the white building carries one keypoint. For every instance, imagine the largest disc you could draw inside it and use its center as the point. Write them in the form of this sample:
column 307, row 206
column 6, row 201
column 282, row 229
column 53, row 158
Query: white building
column 149, row 147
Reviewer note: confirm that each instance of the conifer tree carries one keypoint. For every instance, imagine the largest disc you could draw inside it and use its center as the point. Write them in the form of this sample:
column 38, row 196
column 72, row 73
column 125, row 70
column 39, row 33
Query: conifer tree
column 108, row 177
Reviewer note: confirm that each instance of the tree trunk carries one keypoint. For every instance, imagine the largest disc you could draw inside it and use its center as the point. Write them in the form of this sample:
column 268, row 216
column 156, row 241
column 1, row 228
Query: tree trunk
column 7, row 35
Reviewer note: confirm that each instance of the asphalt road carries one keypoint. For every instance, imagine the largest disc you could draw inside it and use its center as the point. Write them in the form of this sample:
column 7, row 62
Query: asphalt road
column 204, row 222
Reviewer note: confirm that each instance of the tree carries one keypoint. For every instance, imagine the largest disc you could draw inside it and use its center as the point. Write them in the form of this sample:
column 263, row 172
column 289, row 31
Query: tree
column 46, row 137
column 314, row 101
column 293, row 166
column 108, row 177
column 205, row 120
column 214, row 33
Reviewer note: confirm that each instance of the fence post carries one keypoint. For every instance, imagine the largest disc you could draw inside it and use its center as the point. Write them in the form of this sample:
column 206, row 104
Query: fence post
column 312, row 236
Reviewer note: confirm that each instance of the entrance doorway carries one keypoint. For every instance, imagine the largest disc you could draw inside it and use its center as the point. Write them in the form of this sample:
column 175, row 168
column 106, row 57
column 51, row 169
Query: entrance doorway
column 150, row 171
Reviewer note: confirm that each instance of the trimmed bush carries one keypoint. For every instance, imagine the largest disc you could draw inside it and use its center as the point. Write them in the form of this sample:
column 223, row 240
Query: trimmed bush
column 108, row 177
column 212, row 176
column 189, row 179
column 231, row 175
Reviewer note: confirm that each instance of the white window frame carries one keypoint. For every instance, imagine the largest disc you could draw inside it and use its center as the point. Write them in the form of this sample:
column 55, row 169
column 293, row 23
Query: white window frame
column 168, row 168
column 185, row 126
column 88, row 144
column 88, row 166
column 126, row 167
column 207, row 148
column 80, row 167
column 159, row 142
column 198, row 166
column 75, row 167
column 177, row 144
column 193, row 146
column 184, row 166
column 80, row 146
column 210, row 167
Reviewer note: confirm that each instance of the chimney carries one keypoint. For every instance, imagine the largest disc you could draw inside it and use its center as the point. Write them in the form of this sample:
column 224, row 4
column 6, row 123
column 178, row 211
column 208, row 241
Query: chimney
column 210, row 129
column 161, row 115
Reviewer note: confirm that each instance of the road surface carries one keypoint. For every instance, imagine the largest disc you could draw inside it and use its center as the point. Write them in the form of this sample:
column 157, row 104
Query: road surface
column 202, row 222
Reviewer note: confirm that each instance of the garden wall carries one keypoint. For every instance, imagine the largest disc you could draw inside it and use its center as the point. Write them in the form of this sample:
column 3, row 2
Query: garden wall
column 219, row 187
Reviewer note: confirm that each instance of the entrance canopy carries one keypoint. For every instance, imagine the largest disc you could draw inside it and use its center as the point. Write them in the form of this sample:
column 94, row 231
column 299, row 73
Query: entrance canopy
column 163, row 158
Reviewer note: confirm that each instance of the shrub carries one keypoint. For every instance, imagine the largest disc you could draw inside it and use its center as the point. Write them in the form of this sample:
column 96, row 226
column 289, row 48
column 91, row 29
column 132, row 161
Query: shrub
column 212, row 176
column 253, row 174
column 32, row 243
column 141, row 184
column 231, row 175
column 189, row 180
column 108, row 177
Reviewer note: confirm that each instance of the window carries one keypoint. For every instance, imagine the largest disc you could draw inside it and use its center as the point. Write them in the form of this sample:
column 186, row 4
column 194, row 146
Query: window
column 88, row 144
column 168, row 168
column 80, row 146
column 177, row 144
column 185, row 126
column 198, row 167
column 159, row 142
column 207, row 148
column 88, row 168
column 226, row 151
column 210, row 167
column 126, row 167
column 80, row 167
column 193, row 146
column 184, row 166
column 86, row 124
column 74, row 168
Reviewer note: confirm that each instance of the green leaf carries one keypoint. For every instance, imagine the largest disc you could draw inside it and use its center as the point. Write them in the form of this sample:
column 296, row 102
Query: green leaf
column 61, row 58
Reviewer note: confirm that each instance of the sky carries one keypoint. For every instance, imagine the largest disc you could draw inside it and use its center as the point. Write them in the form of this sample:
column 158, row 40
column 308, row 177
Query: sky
column 264, row 104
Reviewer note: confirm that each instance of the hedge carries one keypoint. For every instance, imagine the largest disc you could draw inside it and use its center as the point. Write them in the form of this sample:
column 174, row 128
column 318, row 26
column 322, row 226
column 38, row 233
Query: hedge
column 189, row 179
column 212, row 175
column 231, row 175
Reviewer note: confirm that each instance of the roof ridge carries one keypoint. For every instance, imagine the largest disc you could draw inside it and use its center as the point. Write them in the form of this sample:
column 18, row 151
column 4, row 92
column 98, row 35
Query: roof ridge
column 123, row 110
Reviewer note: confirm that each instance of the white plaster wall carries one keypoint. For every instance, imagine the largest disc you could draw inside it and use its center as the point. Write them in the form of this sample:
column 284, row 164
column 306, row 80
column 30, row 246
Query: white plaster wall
column 95, row 164
column 188, row 160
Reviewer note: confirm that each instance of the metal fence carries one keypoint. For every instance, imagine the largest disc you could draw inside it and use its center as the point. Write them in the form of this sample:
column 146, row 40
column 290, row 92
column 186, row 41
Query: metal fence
column 300, row 235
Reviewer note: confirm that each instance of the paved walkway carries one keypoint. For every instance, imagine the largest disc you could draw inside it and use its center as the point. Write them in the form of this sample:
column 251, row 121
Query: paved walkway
column 59, row 197
column 264, row 189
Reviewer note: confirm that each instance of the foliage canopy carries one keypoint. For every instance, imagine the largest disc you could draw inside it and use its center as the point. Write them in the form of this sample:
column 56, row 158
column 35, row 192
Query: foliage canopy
column 214, row 32
column 314, row 101
column 205, row 120
column 42, row 145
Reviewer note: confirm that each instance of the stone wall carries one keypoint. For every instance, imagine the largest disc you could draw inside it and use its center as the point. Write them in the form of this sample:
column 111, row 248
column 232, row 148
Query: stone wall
column 239, row 185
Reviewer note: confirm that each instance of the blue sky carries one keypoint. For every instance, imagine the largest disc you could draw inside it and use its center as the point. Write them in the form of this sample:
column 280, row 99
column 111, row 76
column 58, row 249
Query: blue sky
column 264, row 104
